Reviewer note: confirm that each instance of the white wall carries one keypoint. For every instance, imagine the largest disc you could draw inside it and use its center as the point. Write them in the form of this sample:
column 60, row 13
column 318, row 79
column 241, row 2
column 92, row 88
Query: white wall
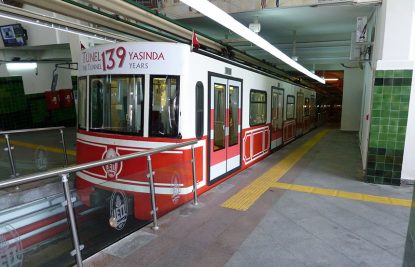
column 352, row 99
column 396, row 53
column 379, row 32
column 408, row 166
column 398, row 27
column 42, row 81
column 377, row 21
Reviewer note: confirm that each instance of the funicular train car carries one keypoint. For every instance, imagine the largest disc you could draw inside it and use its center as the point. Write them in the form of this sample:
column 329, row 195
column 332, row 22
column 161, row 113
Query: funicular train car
column 138, row 96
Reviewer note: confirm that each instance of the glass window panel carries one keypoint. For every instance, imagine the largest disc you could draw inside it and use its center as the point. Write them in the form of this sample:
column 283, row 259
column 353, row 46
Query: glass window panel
column 82, row 95
column 199, row 109
column 97, row 99
column 290, row 107
column 219, row 117
column 274, row 111
column 312, row 106
column 233, row 114
column 307, row 106
column 164, row 107
column 277, row 109
column 117, row 104
column 300, row 107
column 258, row 108
column 280, row 109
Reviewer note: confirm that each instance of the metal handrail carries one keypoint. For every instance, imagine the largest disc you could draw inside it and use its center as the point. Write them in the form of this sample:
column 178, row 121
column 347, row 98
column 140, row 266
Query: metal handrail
column 64, row 174
column 51, row 173
column 32, row 130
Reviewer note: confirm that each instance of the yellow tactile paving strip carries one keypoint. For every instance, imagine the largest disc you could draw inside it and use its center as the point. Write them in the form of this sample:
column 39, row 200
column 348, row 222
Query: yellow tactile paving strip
column 245, row 198
column 344, row 194
column 70, row 152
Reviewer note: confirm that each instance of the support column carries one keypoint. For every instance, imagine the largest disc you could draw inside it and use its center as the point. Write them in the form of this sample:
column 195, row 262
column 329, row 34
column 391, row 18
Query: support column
column 393, row 83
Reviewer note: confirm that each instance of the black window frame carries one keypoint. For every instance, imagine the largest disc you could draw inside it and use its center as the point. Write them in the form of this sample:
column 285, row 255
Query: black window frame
column 107, row 78
column 199, row 109
column 256, row 102
column 150, row 106
column 86, row 107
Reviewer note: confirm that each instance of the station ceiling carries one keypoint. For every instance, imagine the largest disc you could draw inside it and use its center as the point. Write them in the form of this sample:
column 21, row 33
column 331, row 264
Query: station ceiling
column 319, row 36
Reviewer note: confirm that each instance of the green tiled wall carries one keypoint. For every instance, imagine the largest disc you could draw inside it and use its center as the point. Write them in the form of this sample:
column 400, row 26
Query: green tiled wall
column 389, row 117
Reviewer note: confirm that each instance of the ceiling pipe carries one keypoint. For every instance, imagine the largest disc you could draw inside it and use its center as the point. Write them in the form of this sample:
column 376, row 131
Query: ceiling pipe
column 82, row 14
column 87, row 14
column 130, row 11
column 30, row 17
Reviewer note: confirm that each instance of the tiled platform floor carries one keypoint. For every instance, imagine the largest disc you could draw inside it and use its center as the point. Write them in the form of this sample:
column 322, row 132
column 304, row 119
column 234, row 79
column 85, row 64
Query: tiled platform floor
column 282, row 228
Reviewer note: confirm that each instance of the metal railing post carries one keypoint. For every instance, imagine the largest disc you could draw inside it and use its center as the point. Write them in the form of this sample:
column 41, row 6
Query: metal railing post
column 68, row 199
column 194, row 177
column 64, row 147
column 152, row 192
column 9, row 149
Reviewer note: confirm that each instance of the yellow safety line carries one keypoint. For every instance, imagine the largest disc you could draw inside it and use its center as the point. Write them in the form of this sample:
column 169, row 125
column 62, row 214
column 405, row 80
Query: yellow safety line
column 70, row 152
column 245, row 198
column 344, row 194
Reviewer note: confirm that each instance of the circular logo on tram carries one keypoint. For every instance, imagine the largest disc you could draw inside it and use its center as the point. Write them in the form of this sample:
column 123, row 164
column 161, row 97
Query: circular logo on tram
column 118, row 210
column 176, row 188
column 41, row 158
column 113, row 169
column 11, row 253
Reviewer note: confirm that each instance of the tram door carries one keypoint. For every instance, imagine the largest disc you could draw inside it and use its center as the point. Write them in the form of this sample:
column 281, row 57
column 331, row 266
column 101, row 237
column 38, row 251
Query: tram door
column 224, row 126
column 300, row 113
column 277, row 102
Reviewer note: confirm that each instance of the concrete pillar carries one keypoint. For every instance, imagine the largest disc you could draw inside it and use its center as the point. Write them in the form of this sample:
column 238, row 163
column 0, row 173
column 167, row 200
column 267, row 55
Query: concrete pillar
column 390, row 119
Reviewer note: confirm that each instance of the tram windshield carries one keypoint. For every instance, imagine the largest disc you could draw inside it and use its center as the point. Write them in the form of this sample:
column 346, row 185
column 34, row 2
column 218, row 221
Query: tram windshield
column 116, row 103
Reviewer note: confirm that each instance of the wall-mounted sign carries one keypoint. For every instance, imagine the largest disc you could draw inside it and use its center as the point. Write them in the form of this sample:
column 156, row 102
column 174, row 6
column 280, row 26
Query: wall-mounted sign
column 361, row 29
column 133, row 58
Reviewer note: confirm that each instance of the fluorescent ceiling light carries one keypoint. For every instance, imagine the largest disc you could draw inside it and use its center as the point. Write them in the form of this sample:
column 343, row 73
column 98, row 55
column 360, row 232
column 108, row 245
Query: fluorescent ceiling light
column 331, row 79
column 55, row 27
column 210, row 10
column 21, row 66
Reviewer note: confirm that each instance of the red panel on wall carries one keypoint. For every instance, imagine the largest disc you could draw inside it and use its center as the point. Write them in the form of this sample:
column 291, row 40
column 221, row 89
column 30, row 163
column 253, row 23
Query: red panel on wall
column 52, row 100
column 66, row 98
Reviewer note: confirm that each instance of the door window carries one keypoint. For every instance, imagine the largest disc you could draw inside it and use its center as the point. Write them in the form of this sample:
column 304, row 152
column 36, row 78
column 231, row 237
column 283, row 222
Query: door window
column 219, row 117
column 233, row 114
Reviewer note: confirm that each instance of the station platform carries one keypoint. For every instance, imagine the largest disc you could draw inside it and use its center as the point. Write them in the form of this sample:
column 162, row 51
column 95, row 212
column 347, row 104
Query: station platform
column 305, row 205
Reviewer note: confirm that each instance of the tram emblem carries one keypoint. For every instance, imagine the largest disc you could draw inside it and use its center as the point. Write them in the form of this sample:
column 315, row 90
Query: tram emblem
column 175, row 182
column 112, row 170
column 11, row 254
column 119, row 210
column 41, row 158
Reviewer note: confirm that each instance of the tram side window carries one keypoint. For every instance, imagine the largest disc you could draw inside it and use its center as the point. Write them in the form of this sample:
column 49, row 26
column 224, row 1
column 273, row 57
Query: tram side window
column 257, row 108
column 82, row 102
column 164, row 108
column 290, row 107
column 199, row 109
column 98, row 90
column 117, row 104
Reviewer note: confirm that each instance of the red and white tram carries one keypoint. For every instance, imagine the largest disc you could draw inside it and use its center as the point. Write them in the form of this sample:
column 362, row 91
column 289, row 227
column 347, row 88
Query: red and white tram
column 137, row 96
